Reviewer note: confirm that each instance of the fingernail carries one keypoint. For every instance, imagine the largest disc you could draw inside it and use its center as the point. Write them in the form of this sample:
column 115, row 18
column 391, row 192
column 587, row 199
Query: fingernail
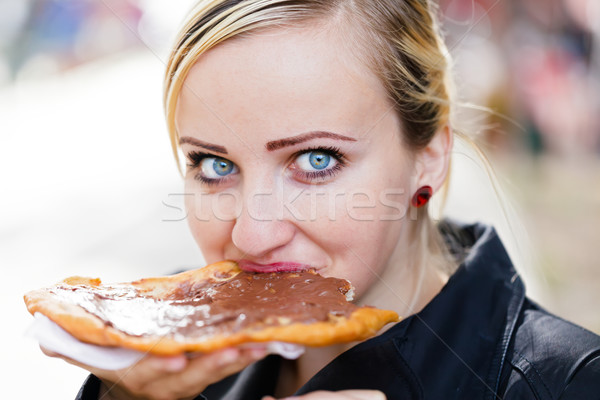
column 273, row 398
column 369, row 395
column 228, row 356
column 174, row 364
column 258, row 353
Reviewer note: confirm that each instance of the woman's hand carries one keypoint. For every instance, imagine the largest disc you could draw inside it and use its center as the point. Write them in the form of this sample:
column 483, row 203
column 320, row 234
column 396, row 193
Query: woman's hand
column 170, row 378
column 341, row 395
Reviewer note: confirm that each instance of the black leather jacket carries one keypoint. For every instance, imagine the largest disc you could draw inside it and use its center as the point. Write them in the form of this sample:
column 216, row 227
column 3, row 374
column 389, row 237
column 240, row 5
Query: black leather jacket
column 479, row 338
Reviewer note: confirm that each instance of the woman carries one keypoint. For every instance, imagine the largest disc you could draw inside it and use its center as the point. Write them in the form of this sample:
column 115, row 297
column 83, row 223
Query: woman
column 315, row 132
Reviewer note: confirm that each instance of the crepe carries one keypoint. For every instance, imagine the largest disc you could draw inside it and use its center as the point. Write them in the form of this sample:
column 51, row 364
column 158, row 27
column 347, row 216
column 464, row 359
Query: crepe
column 208, row 309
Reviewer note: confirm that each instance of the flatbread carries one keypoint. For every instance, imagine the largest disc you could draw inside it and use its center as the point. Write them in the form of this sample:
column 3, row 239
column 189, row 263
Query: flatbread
column 207, row 309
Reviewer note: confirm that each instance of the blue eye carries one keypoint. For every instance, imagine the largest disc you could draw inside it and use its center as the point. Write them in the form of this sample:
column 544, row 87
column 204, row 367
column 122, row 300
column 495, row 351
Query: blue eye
column 215, row 167
column 315, row 161
column 222, row 167
column 319, row 160
column 209, row 169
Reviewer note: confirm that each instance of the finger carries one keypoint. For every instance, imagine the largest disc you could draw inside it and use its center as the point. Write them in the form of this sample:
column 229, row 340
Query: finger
column 210, row 368
column 149, row 369
column 221, row 364
column 205, row 370
column 364, row 394
column 48, row 352
column 200, row 372
column 166, row 364
column 341, row 395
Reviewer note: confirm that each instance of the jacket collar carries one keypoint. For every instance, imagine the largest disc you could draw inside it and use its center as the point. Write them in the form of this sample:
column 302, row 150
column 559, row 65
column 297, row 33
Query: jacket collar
column 470, row 323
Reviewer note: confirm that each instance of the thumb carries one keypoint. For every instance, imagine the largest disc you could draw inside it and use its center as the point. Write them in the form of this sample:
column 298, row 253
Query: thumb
column 364, row 394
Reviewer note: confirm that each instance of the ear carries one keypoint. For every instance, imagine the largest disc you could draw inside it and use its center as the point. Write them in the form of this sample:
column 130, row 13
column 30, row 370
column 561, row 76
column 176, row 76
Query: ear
column 433, row 162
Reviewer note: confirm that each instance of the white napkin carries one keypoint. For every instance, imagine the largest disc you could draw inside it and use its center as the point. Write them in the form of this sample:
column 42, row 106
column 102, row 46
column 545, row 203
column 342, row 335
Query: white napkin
column 54, row 338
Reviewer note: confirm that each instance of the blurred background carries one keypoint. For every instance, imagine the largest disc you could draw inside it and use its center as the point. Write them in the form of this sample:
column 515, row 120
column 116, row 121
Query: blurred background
column 89, row 186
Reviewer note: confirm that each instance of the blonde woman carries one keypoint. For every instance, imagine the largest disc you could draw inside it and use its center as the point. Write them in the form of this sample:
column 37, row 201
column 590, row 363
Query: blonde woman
column 314, row 134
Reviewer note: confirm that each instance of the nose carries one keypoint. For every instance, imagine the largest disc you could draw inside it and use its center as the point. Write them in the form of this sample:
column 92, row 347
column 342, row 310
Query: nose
column 261, row 228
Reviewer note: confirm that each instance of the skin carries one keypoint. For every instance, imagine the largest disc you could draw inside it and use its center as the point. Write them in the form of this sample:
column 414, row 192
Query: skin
column 304, row 81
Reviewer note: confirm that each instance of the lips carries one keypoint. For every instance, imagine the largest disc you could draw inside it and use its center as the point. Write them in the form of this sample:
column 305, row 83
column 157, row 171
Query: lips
column 285, row 266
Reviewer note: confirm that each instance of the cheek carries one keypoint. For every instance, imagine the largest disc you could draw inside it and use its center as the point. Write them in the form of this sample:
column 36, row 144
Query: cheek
column 360, row 251
column 210, row 219
column 376, row 214
column 358, row 229
column 368, row 252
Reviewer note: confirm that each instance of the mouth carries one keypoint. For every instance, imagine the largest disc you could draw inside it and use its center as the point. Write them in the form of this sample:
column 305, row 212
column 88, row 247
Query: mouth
column 284, row 266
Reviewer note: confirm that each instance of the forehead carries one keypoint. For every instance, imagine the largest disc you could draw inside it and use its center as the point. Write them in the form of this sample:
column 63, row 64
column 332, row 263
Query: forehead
column 280, row 82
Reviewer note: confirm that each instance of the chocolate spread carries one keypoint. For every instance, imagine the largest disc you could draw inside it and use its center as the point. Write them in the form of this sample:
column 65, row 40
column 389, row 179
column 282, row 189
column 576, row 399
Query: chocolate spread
column 195, row 310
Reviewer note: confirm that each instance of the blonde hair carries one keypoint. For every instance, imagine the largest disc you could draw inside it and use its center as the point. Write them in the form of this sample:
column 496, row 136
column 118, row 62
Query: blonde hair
column 398, row 39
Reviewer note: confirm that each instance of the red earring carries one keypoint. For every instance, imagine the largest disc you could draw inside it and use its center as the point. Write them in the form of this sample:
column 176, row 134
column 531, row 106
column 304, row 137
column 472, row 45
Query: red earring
column 421, row 196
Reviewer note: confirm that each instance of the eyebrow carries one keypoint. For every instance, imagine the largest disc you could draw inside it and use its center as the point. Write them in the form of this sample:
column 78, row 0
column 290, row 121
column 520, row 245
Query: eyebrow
column 294, row 140
column 272, row 145
column 196, row 142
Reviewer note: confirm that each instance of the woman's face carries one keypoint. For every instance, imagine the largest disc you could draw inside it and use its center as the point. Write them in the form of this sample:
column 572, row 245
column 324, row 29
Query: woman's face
column 294, row 157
